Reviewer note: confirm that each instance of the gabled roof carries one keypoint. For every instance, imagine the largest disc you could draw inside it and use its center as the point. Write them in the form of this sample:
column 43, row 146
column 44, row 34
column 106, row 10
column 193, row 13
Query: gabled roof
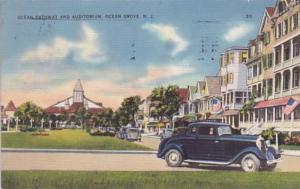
column 213, row 84
column 75, row 106
column 183, row 94
column 78, row 86
column 10, row 107
column 270, row 11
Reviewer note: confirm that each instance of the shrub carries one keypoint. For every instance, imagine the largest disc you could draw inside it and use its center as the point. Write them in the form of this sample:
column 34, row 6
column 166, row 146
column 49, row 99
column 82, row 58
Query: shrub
column 270, row 134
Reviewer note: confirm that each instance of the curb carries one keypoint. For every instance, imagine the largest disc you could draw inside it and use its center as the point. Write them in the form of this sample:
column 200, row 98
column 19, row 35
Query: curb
column 291, row 153
column 77, row 151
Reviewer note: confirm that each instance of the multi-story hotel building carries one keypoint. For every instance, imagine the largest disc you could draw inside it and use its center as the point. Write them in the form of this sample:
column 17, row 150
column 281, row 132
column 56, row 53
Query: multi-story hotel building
column 273, row 68
column 233, row 73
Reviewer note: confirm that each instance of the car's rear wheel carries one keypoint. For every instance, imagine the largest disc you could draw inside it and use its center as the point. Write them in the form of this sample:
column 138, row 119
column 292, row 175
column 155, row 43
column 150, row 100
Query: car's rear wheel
column 173, row 158
column 250, row 163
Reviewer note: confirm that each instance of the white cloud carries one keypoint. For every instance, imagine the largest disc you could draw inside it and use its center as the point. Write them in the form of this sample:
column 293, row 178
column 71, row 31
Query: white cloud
column 168, row 33
column 155, row 73
column 238, row 32
column 86, row 49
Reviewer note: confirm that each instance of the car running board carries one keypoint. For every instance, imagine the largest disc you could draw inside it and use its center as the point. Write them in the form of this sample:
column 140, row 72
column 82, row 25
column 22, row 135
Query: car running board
column 208, row 162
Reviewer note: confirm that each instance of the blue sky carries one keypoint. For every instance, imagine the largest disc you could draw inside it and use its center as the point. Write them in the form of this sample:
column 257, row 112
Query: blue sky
column 116, row 58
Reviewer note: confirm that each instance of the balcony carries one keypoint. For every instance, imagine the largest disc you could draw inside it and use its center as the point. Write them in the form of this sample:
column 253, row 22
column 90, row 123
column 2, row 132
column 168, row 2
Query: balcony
column 296, row 91
column 287, row 64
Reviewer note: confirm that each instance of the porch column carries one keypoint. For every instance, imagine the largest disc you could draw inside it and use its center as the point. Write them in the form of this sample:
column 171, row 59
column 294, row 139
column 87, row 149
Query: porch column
column 273, row 114
column 266, row 115
column 266, row 89
column 291, row 80
column 282, row 53
column 282, row 114
column 292, row 49
column 281, row 83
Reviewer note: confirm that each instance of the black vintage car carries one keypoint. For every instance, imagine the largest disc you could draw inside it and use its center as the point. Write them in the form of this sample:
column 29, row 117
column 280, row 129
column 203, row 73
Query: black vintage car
column 214, row 143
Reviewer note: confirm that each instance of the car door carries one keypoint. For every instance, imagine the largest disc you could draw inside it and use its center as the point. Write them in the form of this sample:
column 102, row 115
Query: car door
column 190, row 143
column 224, row 147
column 205, row 143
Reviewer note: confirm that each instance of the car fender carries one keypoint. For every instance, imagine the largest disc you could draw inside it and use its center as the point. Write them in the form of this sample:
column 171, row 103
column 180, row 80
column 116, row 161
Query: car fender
column 169, row 147
column 254, row 150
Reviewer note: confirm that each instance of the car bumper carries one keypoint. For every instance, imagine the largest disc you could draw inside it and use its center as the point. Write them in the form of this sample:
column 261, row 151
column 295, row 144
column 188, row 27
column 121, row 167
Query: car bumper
column 273, row 158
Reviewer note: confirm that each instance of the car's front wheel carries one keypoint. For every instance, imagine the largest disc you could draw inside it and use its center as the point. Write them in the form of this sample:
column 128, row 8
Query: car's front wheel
column 173, row 158
column 250, row 163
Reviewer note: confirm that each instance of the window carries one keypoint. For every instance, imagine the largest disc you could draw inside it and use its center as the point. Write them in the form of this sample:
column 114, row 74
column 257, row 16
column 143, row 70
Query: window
column 277, row 55
column 270, row 114
column 259, row 90
column 270, row 60
column 270, row 87
column 266, row 38
column 231, row 78
column 297, row 112
column 294, row 21
column 204, row 130
column 244, row 56
column 278, row 113
column 296, row 45
column 286, row 80
column 259, row 68
column 278, row 30
column 296, row 76
column 224, row 130
column 285, row 26
column 277, row 82
column 194, row 130
column 250, row 73
column 286, row 55
column 255, row 70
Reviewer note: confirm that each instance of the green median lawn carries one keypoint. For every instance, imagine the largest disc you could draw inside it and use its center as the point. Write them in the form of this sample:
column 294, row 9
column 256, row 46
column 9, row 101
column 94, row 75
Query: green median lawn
column 66, row 139
column 290, row 147
column 148, row 180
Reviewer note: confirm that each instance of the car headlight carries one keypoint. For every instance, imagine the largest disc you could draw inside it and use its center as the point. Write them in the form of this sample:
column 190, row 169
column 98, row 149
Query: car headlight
column 268, row 143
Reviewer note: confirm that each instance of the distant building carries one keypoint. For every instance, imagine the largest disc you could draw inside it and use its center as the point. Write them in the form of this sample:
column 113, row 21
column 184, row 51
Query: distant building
column 71, row 104
column 7, row 113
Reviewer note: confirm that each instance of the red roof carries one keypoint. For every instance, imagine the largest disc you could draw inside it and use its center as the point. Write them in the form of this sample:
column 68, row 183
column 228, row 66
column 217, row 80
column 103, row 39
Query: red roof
column 271, row 103
column 75, row 106
column 270, row 11
column 183, row 93
column 55, row 110
column 94, row 110
column 10, row 107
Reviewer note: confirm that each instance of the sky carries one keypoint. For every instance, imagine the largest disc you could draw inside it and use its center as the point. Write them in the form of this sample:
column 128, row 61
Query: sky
column 127, row 48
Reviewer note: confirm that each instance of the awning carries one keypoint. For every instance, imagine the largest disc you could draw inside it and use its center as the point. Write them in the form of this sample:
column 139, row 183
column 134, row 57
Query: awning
column 230, row 112
column 271, row 103
column 215, row 116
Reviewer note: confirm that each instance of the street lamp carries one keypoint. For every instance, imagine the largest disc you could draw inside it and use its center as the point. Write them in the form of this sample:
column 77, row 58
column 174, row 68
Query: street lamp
column 50, row 122
column 17, row 123
column 42, row 123
column 31, row 121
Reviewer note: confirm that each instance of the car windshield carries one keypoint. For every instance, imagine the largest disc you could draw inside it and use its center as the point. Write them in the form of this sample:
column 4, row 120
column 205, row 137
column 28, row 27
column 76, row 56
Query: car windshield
column 224, row 130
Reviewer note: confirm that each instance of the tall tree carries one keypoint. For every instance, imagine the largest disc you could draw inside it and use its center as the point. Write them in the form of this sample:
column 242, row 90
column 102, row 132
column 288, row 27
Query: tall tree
column 27, row 111
column 128, row 109
column 165, row 102
column 105, row 118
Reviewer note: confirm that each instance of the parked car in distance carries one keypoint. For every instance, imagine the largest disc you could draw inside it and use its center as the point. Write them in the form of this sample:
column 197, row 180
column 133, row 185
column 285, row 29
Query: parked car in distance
column 214, row 143
column 166, row 133
column 129, row 133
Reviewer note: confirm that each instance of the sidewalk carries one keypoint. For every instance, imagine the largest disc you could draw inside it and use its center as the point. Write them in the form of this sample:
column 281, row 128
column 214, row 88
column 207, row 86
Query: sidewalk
column 291, row 152
column 78, row 151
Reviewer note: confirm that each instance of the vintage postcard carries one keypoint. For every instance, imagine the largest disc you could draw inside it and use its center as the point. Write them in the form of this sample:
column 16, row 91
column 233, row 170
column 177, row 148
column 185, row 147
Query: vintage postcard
column 150, row 94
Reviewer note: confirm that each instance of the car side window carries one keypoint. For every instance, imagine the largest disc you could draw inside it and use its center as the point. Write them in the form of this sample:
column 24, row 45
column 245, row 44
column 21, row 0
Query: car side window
column 208, row 131
column 193, row 130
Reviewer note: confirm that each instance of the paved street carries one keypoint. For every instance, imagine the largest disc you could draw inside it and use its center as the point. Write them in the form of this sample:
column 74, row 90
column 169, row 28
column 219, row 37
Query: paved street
column 111, row 162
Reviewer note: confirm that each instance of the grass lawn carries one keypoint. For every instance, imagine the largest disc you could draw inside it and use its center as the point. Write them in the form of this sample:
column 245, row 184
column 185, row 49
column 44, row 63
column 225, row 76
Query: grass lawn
column 66, row 139
column 290, row 147
column 148, row 180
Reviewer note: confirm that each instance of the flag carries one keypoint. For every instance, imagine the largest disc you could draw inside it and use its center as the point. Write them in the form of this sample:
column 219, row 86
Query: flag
column 291, row 105
column 216, row 105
